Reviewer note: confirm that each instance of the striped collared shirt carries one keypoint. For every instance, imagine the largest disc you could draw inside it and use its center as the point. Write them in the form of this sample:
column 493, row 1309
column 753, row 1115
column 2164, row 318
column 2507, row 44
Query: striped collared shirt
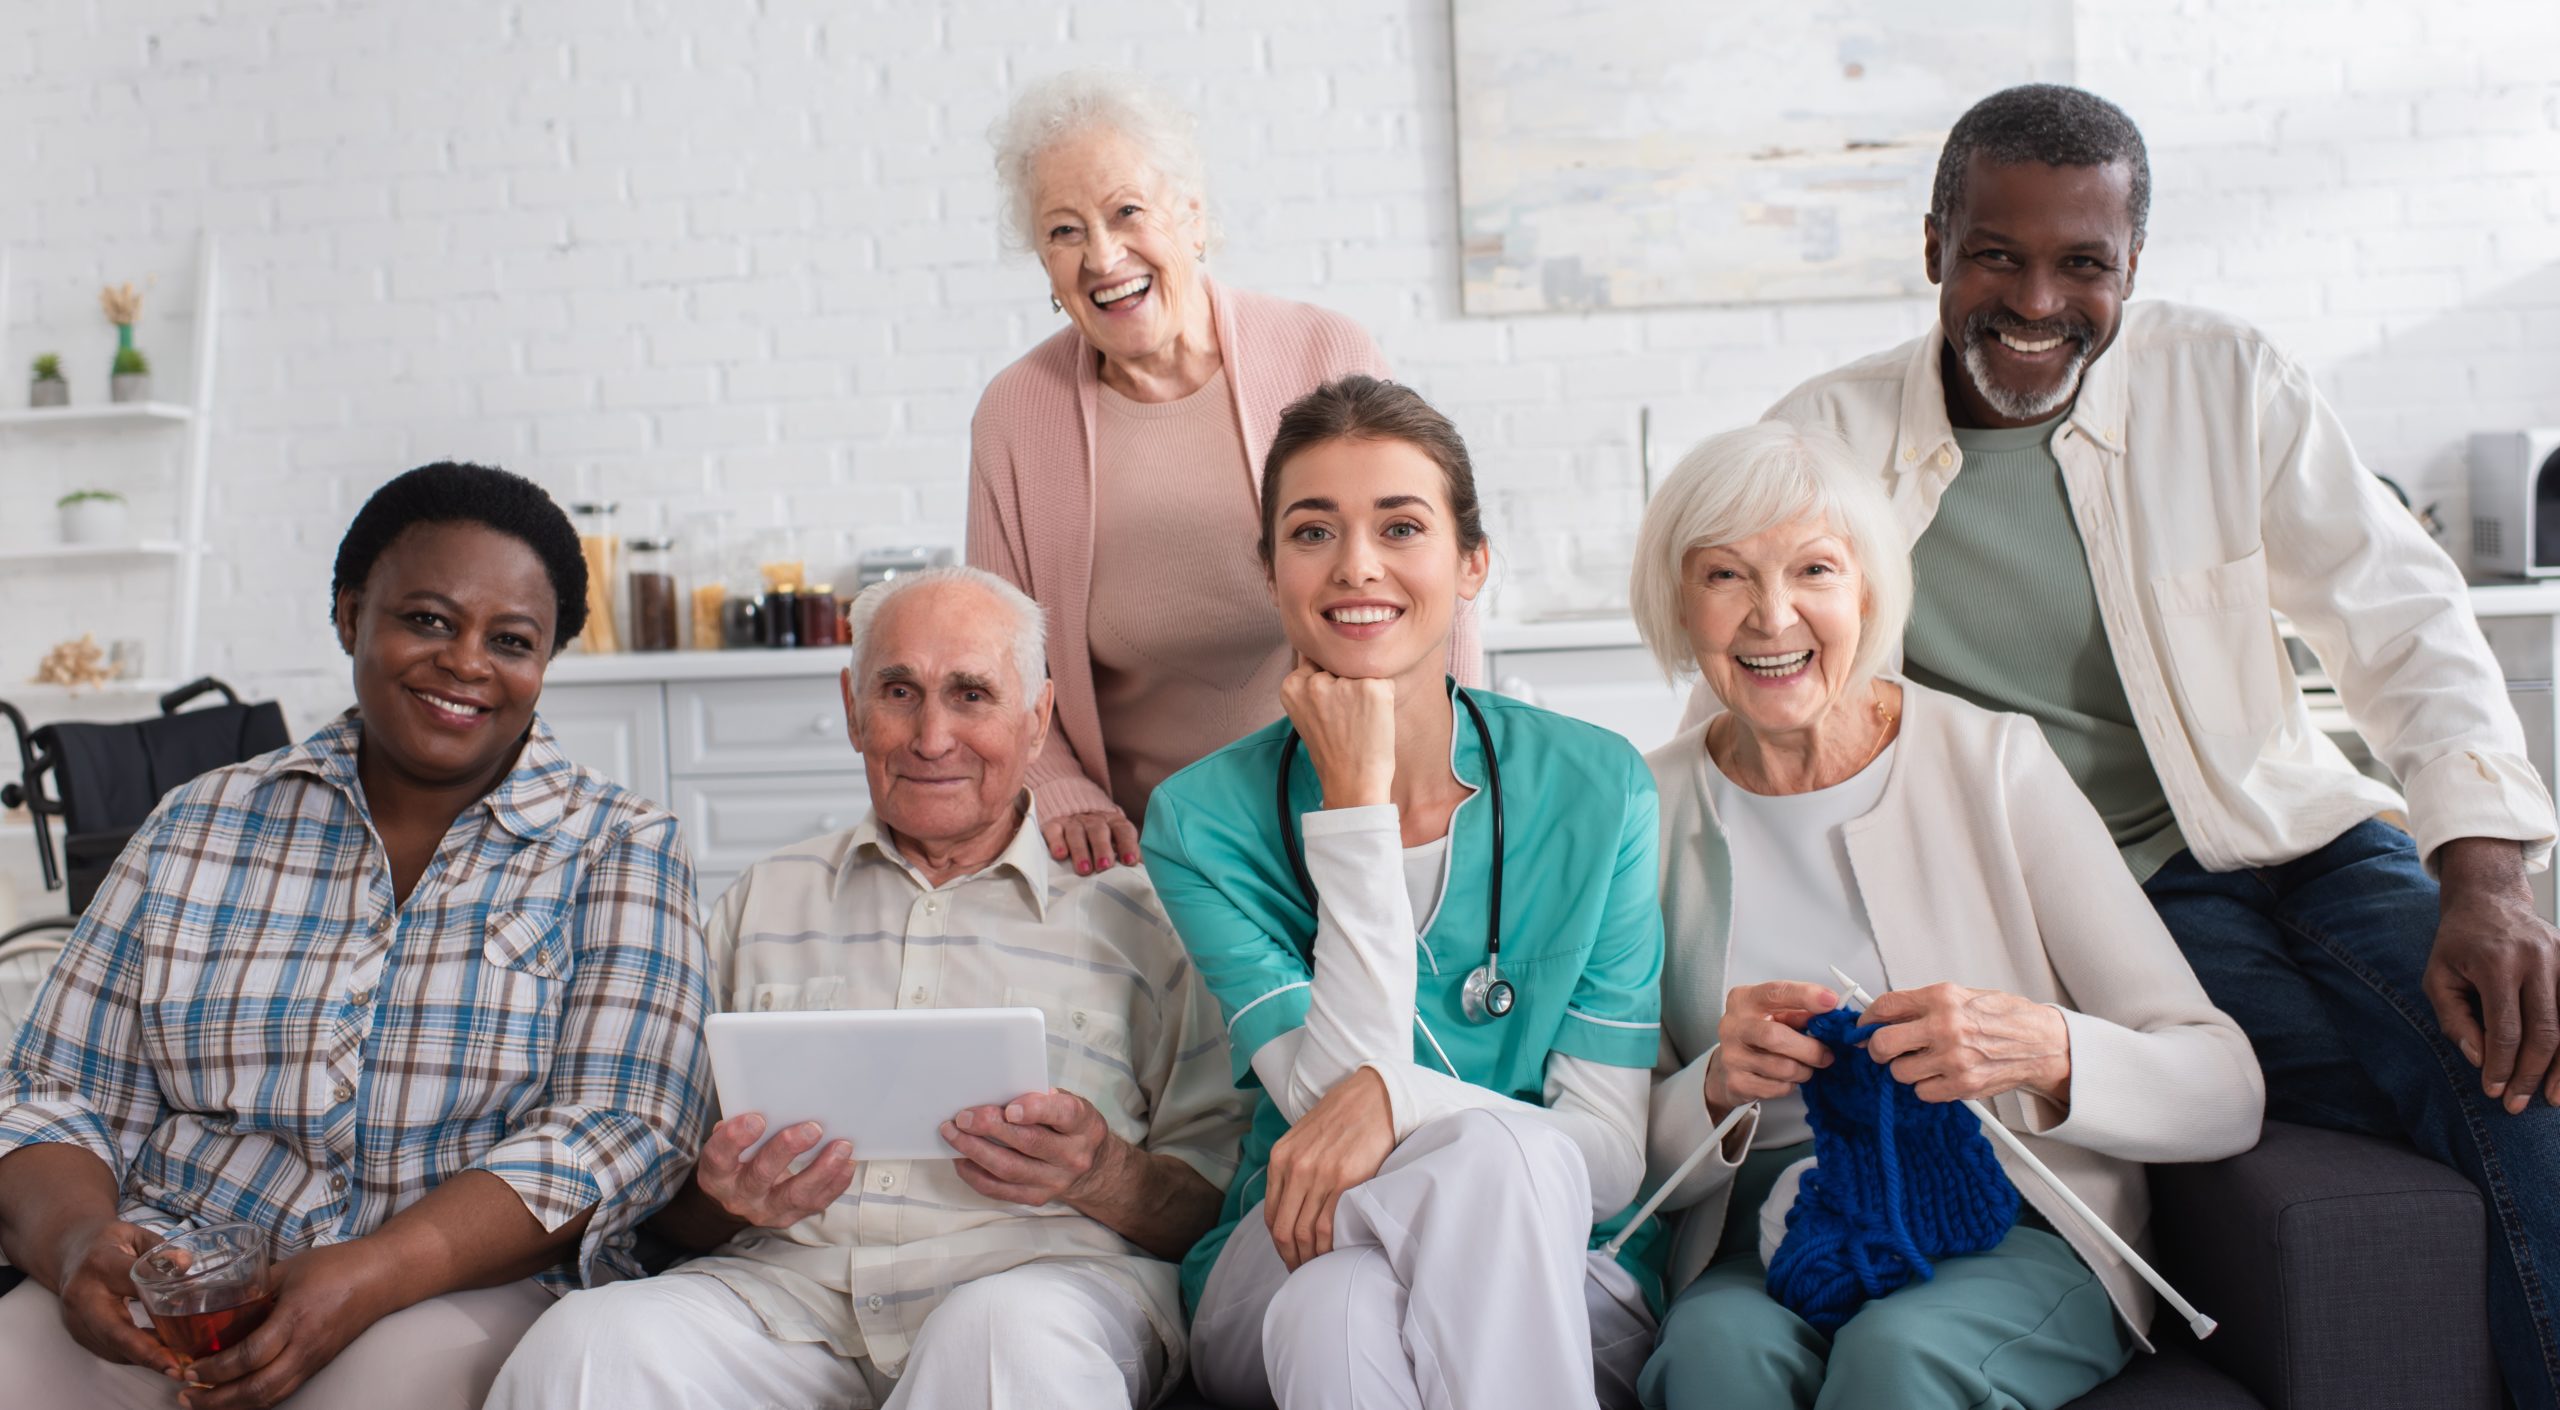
column 844, row 921
column 247, row 1026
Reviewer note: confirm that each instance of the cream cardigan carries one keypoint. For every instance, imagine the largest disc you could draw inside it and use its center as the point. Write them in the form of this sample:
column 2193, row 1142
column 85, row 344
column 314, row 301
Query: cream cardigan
column 1031, row 450
column 1984, row 866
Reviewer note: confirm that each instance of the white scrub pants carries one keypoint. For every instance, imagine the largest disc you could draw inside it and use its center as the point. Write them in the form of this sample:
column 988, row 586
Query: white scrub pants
column 436, row 1355
column 1045, row 1334
column 1460, row 1277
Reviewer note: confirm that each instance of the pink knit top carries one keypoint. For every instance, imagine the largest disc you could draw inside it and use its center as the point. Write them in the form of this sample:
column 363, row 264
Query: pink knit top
column 1032, row 503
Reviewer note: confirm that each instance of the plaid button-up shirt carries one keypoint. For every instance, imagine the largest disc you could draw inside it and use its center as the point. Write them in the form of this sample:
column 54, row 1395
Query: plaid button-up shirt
column 247, row 1026
column 844, row 921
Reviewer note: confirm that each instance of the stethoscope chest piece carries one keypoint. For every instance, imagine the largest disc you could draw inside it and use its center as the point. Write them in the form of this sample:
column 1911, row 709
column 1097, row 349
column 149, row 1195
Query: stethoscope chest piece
column 1487, row 995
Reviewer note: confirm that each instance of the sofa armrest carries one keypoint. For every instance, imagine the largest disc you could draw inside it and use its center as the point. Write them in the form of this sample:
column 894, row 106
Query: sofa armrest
column 2345, row 1271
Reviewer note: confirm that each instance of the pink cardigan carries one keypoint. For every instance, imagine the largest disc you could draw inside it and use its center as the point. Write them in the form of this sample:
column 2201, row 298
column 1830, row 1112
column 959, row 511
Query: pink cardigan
column 1031, row 493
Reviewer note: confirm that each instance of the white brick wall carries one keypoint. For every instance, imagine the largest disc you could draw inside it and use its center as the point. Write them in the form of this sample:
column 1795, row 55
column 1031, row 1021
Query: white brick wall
column 722, row 253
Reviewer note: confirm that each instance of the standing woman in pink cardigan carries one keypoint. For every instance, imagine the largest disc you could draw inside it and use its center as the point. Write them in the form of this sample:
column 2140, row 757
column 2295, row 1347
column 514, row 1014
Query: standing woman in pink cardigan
column 1113, row 469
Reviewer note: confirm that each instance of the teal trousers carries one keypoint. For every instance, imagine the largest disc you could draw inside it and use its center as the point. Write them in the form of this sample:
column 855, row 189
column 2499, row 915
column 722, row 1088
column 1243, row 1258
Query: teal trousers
column 2025, row 1326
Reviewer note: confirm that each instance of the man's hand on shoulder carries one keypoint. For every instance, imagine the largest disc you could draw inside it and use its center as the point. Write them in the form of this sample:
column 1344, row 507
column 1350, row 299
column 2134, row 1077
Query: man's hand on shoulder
column 2494, row 976
column 1040, row 1148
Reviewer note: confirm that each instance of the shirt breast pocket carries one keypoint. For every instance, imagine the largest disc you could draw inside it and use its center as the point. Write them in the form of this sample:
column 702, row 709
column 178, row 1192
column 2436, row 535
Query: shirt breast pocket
column 827, row 991
column 523, row 984
column 2223, row 653
column 1090, row 1054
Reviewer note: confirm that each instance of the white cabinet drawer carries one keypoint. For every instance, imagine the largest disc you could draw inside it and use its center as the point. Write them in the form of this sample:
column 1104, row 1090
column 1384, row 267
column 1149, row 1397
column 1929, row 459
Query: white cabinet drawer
column 736, row 821
column 619, row 731
column 1617, row 687
column 787, row 725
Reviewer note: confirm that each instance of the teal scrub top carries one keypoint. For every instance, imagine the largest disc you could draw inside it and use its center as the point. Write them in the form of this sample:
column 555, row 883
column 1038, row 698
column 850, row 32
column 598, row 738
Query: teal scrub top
column 1581, row 929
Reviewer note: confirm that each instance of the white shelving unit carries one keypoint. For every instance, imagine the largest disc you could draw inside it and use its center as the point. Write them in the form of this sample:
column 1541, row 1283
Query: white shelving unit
column 94, row 415
column 185, row 553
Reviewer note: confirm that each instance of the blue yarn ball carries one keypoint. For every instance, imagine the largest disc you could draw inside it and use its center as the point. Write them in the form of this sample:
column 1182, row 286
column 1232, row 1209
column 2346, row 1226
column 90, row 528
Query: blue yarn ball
column 1898, row 1183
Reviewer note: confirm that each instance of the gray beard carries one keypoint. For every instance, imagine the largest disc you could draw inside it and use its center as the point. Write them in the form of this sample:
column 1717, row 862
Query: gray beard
column 2012, row 405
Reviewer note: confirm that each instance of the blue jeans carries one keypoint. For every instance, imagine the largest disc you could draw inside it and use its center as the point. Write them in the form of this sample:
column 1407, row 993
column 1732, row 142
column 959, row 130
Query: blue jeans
column 2319, row 961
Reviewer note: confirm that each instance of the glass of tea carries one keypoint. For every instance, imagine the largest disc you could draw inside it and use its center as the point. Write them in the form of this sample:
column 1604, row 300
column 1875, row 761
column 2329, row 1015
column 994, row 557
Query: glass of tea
column 206, row 1289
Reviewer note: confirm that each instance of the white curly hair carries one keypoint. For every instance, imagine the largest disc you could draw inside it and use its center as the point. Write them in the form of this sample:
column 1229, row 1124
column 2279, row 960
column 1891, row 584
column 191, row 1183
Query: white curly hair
column 1082, row 100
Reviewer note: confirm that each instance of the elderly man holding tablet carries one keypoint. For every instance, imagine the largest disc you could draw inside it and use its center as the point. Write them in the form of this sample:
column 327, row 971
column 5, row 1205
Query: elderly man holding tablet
column 1038, row 1268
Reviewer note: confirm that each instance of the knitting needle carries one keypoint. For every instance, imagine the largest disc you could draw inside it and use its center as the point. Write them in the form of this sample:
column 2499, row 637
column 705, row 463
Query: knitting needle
column 2197, row 1322
column 1653, row 1202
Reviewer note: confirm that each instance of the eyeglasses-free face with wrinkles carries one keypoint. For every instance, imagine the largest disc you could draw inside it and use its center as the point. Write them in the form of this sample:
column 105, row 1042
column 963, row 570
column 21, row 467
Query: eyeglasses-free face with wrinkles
column 1122, row 253
column 2032, row 280
column 1775, row 620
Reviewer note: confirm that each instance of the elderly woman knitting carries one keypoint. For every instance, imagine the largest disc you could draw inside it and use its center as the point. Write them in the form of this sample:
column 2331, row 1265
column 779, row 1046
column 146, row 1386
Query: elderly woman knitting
column 1857, row 1240
column 1113, row 468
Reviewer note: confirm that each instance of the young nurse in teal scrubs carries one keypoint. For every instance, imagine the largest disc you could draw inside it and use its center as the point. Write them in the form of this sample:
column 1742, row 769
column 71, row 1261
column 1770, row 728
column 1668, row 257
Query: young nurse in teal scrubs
column 1417, row 1213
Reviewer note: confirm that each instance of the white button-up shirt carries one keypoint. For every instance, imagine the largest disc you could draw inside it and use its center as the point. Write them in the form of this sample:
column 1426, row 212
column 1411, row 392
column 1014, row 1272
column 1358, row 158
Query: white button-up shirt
column 844, row 921
column 2214, row 487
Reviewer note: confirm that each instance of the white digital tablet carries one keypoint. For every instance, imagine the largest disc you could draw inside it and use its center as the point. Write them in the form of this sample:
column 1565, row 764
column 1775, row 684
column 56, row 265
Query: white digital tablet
column 884, row 1079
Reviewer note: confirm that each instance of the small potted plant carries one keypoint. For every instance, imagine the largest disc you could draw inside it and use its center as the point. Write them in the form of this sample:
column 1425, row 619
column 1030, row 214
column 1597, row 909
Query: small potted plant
column 95, row 517
column 130, row 379
column 48, row 388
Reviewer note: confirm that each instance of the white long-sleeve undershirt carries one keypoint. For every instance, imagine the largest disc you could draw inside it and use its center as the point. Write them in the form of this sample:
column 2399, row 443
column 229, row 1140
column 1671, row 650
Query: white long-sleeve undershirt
column 1360, row 1013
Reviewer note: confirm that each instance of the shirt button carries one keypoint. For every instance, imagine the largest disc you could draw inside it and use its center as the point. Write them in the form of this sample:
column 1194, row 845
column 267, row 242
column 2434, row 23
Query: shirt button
column 338, row 1184
column 1910, row 454
column 344, row 1092
column 887, row 1180
column 875, row 1302
column 360, row 998
column 1943, row 457
column 764, row 1001
column 931, row 906
column 1076, row 1018
column 921, row 994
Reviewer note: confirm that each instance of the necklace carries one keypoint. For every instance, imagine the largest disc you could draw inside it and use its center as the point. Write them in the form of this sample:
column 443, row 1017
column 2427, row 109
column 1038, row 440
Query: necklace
column 1885, row 718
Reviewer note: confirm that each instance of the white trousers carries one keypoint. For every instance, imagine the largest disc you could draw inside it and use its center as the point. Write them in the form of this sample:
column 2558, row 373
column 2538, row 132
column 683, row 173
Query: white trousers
column 1460, row 1278
column 437, row 1355
column 1046, row 1334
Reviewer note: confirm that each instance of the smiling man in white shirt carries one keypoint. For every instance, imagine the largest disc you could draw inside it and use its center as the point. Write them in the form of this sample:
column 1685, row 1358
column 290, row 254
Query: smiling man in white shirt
column 1038, row 1269
column 2108, row 504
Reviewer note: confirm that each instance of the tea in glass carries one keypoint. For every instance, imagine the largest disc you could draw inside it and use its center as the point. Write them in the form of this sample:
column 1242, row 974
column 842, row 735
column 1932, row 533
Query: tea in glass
column 206, row 1289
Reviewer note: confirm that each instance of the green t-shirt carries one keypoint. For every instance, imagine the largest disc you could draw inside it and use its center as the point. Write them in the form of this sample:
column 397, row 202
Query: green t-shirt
column 2007, row 618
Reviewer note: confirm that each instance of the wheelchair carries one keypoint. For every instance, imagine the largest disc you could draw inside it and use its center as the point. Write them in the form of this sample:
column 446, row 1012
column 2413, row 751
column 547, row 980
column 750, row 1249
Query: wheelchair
column 99, row 781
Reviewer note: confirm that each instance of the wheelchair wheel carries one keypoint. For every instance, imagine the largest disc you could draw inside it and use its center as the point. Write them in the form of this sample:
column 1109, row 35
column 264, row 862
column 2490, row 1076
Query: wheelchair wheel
column 25, row 961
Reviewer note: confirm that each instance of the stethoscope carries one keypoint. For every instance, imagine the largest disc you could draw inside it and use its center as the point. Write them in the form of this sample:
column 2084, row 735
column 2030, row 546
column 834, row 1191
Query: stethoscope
column 1487, row 995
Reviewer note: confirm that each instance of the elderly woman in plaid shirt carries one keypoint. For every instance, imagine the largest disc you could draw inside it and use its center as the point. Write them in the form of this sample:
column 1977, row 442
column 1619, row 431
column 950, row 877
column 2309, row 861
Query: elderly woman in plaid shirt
column 418, row 997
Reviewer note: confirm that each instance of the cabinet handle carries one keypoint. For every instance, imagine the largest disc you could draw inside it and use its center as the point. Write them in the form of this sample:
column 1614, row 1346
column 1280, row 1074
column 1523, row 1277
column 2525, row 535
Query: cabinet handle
column 829, row 822
column 1518, row 688
column 826, row 724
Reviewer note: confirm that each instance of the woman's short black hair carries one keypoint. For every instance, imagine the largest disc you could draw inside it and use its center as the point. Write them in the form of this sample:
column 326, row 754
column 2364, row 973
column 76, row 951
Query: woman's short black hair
column 450, row 492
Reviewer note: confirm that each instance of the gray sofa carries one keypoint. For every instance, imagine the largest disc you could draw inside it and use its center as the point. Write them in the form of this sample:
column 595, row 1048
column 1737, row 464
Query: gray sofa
column 2347, row 1273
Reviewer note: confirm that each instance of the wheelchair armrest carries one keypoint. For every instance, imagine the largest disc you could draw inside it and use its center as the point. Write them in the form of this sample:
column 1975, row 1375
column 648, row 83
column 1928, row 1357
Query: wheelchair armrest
column 2345, row 1271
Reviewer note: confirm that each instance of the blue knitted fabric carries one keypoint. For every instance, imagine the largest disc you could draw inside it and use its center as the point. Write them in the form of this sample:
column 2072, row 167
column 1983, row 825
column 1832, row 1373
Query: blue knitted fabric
column 1898, row 1183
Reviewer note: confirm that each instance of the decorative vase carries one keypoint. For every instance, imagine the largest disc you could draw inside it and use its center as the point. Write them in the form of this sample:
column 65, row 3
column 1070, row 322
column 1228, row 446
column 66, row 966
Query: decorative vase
column 97, row 521
column 129, row 386
column 51, row 391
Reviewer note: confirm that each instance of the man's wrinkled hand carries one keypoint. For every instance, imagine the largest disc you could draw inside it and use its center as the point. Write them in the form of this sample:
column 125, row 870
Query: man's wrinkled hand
column 763, row 1191
column 1040, row 1148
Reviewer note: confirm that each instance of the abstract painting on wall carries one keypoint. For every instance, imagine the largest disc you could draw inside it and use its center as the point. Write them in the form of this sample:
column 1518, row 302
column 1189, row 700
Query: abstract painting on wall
column 1632, row 153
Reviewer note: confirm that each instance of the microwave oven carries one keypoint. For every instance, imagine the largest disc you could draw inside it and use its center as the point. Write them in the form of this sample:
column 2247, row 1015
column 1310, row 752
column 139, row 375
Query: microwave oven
column 2515, row 503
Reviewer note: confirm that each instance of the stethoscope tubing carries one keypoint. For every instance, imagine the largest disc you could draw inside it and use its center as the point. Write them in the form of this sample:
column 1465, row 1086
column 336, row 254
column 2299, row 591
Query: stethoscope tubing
column 1290, row 843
